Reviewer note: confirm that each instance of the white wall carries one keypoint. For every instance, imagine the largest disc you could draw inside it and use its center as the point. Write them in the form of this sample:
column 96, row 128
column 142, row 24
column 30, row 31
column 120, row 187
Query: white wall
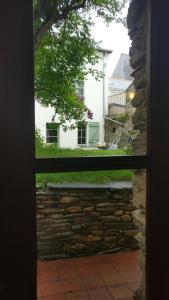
column 43, row 115
column 68, row 139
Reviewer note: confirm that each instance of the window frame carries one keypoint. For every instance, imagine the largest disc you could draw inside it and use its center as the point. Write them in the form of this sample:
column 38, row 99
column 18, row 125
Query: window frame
column 52, row 136
column 82, row 130
column 79, row 86
column 18, row 163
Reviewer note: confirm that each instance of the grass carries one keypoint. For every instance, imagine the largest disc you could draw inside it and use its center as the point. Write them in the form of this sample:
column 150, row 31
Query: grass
column 53, row 151
column 88, row 177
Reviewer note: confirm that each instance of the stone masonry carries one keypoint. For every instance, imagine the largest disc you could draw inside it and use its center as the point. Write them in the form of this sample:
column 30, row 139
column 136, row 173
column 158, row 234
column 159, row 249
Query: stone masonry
column 79, row 220
column 136, row 22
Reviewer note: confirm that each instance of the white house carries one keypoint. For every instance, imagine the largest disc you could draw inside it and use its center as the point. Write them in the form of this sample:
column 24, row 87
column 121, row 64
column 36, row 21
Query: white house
column 96, row 99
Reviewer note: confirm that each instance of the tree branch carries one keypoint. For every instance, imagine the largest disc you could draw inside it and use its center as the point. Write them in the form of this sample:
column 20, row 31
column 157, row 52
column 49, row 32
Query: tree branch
column 47, row 90
column 52, row 18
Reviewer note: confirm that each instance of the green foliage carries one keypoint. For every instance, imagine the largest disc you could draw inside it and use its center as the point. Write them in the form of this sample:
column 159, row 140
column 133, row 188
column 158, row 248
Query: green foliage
column 39, row 140
column 63, row 50
column 55, row 12
column 62, row 58
column 123, row 117
column 129, row 150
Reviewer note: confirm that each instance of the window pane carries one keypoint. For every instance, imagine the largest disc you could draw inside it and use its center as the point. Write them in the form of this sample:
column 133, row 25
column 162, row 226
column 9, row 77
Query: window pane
column 51, row 139
column 83, row 133
column 83, row 141
column 51, row 132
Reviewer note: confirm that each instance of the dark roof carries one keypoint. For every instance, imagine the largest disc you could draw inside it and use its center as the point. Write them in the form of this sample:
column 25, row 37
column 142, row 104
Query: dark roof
column 108, row 51
column 123, row 69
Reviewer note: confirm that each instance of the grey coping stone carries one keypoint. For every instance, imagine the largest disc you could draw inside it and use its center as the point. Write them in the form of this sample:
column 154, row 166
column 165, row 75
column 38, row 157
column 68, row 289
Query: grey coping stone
column 121, row 185
column 111, row 185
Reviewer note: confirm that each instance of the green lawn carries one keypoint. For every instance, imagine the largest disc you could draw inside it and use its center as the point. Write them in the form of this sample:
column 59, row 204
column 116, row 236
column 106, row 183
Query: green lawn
column 90, row 176
column 53, row 151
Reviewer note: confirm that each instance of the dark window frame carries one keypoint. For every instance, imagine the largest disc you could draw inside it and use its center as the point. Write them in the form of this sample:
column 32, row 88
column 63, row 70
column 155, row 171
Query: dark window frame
column 82, row 129
column 49, row 136
column 18, row 164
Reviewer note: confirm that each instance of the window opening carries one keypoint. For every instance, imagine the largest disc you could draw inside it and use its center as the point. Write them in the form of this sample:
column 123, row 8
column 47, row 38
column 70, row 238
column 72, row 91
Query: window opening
column 81, row 133
column 52, row 133
column 79, row 86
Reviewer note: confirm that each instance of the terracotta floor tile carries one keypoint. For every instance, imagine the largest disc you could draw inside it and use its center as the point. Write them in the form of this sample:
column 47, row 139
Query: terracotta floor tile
column 112, row 278
column 55, row 297
column 72, row 285
column 67, row 273
column 105, row 267
column 130, row 277
column 92, row 282
column 83, row 261
column 65, row 263
column 50, row 288
column 100, row 259
column 127, row 257
column 134, row 286
column 48, row 275
column 100, row 294
column 46, row 265
column 87, row 270
column 126, row 267
column 121, row 292
column 82, row 295
column 100, row 277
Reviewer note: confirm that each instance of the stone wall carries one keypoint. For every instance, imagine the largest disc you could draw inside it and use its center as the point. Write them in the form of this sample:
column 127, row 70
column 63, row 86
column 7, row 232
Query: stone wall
column 137, row 32
column 84, row 219
column 120, row 132
column 112, row 132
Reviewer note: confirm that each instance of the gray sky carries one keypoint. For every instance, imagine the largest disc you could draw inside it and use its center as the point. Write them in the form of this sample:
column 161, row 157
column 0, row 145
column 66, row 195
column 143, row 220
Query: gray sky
column 114, row 37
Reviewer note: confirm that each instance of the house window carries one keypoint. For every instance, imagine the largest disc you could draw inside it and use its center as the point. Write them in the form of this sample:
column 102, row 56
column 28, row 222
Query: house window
column 52, row 133
column 114, row 129
column 79, row 86
column 81, row 133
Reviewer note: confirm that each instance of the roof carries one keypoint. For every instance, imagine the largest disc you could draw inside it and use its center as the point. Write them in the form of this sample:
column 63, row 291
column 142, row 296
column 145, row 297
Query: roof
column 108, row 51
column 123, row 69
column 119, row 84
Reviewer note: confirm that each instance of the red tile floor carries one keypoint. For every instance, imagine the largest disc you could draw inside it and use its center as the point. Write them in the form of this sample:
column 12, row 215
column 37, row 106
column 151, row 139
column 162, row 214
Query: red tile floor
column 100, row 277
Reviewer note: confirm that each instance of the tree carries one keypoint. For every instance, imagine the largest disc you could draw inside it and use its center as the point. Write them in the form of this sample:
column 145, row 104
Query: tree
column 63, row 50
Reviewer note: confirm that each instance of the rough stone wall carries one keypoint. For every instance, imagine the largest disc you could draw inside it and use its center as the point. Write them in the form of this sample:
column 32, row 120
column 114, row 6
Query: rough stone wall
column 137, row 32
column 124, row 133
column 128, row 133
column 111, row 137
column 84, row 220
